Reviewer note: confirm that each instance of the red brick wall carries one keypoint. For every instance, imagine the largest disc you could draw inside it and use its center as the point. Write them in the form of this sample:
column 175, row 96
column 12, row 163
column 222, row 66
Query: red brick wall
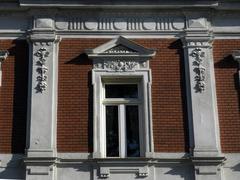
column 168, row 95
column 13, row 97
column 228, row 94
column 75, row 95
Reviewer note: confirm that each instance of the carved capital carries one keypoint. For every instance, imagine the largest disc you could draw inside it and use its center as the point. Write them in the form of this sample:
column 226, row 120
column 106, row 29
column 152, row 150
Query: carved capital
column 193, row 41
column 43, row 36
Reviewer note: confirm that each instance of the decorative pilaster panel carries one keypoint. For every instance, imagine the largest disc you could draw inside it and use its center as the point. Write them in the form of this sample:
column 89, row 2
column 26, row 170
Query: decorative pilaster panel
column 202, row 96
column 202, row 106
column 42, row 107
column 42, row 135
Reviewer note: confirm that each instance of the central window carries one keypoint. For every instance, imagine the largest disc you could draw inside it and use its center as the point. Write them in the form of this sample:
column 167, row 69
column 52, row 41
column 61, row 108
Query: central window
column 122, row 111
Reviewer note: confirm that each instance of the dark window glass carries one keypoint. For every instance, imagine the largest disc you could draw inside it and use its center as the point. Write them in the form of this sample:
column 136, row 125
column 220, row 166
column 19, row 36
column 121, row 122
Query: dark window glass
column 133, row 147
column 121, row 91
column 112, row 131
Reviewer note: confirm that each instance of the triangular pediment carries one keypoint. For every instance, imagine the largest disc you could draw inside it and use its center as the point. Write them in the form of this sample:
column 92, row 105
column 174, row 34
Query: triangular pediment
column 120, row 47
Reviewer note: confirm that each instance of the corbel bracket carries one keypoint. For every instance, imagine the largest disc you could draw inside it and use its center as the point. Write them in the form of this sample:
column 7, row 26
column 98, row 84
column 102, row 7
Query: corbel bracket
column 3, row 55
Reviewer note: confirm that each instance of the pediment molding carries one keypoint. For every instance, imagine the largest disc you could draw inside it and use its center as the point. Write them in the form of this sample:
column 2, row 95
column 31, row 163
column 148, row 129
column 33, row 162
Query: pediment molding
column 120, row 55
column 120, row 47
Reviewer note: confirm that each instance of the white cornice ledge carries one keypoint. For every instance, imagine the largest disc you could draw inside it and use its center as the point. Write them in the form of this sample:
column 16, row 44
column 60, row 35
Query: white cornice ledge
column 122, row 4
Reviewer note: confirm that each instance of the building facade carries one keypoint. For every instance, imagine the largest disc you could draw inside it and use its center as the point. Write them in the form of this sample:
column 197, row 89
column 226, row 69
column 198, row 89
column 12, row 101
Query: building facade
column 119, row 90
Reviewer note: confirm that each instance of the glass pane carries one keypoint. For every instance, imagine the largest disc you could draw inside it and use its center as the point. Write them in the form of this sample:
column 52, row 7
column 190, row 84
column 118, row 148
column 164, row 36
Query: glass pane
column 132, row 123
column 121, row 91
column 112, row 131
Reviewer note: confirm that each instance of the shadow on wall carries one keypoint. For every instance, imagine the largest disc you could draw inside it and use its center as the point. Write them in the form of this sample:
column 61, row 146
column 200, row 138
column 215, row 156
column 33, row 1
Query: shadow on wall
column 71, row 171
column 83, row 59
column 185, row 172
column 12, row 167
column 229, row 62
column 236, row 167
column 20, row 50
column 177, row 45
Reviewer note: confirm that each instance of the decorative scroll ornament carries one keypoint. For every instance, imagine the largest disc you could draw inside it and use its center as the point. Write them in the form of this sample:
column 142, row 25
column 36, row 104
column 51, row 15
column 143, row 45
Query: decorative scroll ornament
column 199, row 69
column 120, row 65
column 41, row 69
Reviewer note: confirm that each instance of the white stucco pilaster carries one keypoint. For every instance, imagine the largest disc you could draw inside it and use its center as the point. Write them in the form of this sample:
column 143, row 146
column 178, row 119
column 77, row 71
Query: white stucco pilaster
column 42, row 110
column 202, row 101
column 198, row 54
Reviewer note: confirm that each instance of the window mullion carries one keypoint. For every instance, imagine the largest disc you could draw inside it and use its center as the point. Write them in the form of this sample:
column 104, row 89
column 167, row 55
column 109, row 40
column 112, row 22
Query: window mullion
column 122, row 128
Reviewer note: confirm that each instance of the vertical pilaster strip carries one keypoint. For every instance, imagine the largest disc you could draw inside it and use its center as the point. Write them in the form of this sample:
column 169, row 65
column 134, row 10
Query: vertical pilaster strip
column 202, row 101
column 44, row 64
column 42, row 107
column 202, row 105
column 199, row 64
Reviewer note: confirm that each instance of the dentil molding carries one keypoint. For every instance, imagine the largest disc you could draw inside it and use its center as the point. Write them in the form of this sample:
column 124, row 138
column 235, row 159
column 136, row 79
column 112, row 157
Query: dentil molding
column 121, row 22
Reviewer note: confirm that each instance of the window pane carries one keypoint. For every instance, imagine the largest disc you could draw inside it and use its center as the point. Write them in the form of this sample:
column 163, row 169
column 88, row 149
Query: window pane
column 121, row 91
column 132, row 123
column 112, row 131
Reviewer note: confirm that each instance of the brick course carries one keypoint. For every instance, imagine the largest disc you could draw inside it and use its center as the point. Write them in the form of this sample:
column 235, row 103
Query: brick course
column 74, row 129
column 228, row 94
column 13, row 97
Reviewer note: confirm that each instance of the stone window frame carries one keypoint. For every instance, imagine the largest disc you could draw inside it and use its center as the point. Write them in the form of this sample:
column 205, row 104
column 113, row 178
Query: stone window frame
column 123, row 59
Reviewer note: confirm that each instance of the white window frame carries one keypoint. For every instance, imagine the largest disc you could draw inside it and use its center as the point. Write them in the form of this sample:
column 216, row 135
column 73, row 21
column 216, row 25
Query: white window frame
column 122, row 103
column 99, row 131
column 131, row 63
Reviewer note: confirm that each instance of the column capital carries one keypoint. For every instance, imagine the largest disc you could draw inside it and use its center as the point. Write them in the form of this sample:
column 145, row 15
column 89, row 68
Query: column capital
column 196, row 39
column 48, row 36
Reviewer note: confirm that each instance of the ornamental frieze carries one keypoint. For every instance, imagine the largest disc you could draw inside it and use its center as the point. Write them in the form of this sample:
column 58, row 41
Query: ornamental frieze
column 108, row 23
column 120, row 65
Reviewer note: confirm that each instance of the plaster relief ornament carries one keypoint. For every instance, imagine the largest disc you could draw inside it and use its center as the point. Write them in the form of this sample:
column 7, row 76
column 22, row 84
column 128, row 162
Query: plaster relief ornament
column 41, row 70
column 199, row 70
column 120, row 65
